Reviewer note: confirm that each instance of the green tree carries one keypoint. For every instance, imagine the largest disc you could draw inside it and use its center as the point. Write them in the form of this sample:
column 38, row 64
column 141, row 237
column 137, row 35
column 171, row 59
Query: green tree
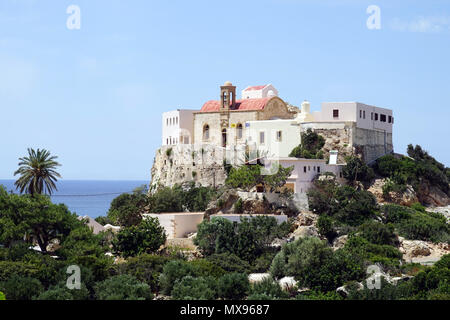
column 147, row 237
column 21, row 288
column 37, row 172
column 24, row 216
column 145, row 267
column 269, row 287
column 122, row 287
column 233, row 286
column 61, row 292
column 311, row 146
column 357, row 170
column 126, row 210
column 173, row 271
column 190, row 288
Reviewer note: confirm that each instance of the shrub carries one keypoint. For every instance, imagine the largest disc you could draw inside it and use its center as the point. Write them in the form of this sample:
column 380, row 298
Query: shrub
column 229, row 262
column 417, row 225
column 269, row 288
column 357, row 170
column 2, row 296
column 238, row 206
column 311, row 146
column 344, row 203
column 173, row 271
column 248, row 239
column 206, row 268
column 61, row 292
column 190, row 288
column 122, row 287
column 315, row 265
column 21, row 288
column 146, row 237
column 233, row 286
column 378, row 233
column 145, row 267
column 325, row 225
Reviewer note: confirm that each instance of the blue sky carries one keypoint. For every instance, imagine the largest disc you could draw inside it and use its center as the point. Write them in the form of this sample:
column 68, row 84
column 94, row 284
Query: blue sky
column 94, row 96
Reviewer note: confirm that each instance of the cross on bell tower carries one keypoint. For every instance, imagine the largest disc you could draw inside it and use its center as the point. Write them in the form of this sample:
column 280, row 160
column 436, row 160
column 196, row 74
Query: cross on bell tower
column 227, row 96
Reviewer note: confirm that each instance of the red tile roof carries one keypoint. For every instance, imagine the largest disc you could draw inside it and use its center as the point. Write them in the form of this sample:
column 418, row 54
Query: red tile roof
column 246, row 104
column 255, row 88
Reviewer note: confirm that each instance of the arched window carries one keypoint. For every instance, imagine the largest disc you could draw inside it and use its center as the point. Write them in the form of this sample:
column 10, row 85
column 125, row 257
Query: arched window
column 239, row 131
column 205, row 132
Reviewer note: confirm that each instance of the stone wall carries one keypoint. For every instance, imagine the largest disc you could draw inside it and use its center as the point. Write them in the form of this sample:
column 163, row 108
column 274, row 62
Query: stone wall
column 347, row 139
column 184, row 163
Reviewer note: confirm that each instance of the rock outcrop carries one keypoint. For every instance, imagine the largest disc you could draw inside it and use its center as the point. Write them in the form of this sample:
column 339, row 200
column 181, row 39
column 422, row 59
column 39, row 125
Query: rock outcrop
column 406, row 198
column 423, row 252
column 183, row 163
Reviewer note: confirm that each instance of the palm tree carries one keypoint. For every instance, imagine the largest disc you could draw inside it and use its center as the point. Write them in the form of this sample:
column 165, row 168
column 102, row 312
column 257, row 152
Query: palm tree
column 37, row 172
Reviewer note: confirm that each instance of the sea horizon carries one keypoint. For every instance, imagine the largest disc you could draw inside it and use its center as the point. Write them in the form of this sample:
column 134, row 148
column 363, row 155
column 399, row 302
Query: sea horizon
column 86, row 197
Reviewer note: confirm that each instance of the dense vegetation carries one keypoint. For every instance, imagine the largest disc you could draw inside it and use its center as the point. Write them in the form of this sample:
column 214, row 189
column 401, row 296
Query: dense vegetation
column 248, row 176
column 310, row 147
column 420, row 170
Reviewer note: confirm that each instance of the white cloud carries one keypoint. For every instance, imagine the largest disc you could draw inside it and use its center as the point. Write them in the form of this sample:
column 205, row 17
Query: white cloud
column 433, row 24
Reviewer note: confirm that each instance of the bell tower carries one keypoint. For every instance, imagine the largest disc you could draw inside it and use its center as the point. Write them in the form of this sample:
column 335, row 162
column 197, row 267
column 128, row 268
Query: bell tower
column 227, row 96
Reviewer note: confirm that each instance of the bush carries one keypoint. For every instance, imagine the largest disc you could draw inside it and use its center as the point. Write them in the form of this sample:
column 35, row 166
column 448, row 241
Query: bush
column 344, row 203
column 233, row 286
column 229, row 262
column 378, row 233
column 206, row 268
column 311, row 146
column 315, row 265
column 21, row 288
column 61, row 292
column 173, row 271
column 269, row 288
column 190, row 288
column 122, row 287
column 147, row 237
column 356, row 170
column 146, row 268
column 2, row 296
column 417, row 225
column 126, row 209
column 325, row 225
column 248, row 239
column 238, row 206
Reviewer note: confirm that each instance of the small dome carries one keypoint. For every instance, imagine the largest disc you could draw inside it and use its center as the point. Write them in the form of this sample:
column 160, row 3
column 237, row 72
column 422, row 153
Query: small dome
column 227, row 83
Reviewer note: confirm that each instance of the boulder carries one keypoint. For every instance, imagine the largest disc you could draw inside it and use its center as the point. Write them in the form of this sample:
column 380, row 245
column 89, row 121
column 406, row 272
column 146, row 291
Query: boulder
column 339, row 242
column 424, row 252
column 305, row 231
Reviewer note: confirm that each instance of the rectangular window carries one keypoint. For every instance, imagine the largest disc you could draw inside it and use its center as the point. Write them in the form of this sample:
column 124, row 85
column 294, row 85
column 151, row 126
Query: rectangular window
column 390, row 119
column 382, row 117
column 376, row 116
column 335, row 113
column 318, row 169
column 309, row 168
column 364, row 114
column 261, row 137
column 360, row 114
column 279, row 136
column 371, row 116
column 304, row 169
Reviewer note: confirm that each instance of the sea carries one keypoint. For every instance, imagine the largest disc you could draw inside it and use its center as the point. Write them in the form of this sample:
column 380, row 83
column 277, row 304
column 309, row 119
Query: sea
column 86, row 197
